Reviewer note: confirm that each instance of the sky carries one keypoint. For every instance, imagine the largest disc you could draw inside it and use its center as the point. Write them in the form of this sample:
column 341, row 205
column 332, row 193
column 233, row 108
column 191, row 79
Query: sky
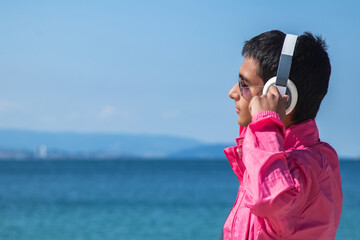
column 161, row 67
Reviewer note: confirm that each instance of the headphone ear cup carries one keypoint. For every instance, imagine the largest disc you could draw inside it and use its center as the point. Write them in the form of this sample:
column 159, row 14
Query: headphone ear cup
column 268, row 84
column 291, row 91
column 293, row 96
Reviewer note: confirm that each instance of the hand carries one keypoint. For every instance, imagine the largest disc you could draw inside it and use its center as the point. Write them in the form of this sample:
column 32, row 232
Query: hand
column 272, row 101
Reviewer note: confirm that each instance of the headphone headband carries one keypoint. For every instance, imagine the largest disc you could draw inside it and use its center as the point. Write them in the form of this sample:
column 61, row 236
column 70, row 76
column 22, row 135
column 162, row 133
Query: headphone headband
column 281, row 80
column 287, row 53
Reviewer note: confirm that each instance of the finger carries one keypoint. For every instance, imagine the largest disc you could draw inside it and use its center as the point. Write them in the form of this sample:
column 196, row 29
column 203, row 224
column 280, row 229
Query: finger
column 286, row 98
column 273, row 90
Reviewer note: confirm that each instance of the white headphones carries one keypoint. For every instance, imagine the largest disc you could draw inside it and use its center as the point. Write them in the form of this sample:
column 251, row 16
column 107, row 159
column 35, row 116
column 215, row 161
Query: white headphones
column 281, row 80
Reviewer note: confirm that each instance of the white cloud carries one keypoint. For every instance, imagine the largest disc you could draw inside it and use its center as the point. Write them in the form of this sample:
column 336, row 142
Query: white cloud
column 107, row 112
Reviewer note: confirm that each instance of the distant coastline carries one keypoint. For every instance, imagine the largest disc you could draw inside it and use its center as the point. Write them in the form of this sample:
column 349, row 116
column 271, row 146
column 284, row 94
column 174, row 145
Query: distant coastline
column 29, row 145
column 36, row 145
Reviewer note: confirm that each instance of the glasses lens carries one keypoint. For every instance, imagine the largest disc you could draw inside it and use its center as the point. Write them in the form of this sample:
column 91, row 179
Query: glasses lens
column 246, row 93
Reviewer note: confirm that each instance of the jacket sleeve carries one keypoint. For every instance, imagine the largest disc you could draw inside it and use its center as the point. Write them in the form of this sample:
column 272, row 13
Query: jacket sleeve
column 271, row 190
column 233, row 154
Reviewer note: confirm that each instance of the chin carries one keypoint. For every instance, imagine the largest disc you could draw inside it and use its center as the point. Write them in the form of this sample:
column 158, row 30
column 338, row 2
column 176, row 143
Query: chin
column 243, row 122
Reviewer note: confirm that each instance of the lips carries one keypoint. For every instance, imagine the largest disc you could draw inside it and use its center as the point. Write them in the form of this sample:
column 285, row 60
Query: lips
column 237, row 110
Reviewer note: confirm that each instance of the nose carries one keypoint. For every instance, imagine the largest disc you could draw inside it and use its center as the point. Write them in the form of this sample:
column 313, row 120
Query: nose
column 234, row 93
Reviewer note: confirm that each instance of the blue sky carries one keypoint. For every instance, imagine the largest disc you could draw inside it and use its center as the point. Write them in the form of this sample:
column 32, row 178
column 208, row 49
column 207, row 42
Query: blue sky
column 160, row 67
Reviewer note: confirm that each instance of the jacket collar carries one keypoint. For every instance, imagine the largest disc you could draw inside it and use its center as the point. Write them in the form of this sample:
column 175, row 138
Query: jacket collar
column 302, row 134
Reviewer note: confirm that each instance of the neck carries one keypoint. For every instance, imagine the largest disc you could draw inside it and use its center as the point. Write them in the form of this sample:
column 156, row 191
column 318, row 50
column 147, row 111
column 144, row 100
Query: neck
column 287, row 120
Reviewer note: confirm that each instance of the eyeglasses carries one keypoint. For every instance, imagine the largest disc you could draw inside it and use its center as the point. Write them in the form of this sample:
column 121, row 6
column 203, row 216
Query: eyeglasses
column 245, row 90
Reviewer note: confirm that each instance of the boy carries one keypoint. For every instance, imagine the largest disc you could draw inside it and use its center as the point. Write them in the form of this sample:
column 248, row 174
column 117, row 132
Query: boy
column 290, row 185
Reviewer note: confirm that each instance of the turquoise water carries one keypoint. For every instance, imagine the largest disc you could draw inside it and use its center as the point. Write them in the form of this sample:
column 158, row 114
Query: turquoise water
column 131, row 199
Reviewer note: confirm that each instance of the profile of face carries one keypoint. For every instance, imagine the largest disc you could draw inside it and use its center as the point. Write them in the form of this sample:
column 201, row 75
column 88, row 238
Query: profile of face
column 251, row 84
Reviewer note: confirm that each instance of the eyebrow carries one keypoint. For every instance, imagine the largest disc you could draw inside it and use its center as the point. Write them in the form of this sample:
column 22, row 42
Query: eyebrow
column 244, row 78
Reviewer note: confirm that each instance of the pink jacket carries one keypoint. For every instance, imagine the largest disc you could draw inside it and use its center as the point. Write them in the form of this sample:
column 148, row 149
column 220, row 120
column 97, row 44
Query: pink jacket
column 290, row 186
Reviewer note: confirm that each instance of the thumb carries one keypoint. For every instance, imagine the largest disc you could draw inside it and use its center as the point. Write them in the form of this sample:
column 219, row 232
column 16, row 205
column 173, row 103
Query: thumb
column 286, row 98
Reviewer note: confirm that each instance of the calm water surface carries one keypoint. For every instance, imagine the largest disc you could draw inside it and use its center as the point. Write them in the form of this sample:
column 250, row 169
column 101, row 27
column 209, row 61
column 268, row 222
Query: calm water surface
column 131, row 200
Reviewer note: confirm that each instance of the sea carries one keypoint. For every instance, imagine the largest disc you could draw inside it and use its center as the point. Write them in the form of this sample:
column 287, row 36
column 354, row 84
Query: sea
column 132, row 199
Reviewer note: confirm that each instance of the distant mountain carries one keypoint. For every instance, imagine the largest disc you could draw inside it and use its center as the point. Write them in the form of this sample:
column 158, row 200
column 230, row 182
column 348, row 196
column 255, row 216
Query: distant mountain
column 205, row 151
column 107, row 144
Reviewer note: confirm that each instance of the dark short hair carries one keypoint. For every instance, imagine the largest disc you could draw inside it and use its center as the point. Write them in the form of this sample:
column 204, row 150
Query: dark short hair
column 310, row 69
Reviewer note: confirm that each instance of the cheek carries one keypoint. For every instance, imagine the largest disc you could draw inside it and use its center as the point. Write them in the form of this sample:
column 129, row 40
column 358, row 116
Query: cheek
column 244, row 106
column 244, row 114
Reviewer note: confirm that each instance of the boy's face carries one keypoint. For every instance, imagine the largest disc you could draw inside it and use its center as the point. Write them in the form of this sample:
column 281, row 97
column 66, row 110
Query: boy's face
column 249, row 77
